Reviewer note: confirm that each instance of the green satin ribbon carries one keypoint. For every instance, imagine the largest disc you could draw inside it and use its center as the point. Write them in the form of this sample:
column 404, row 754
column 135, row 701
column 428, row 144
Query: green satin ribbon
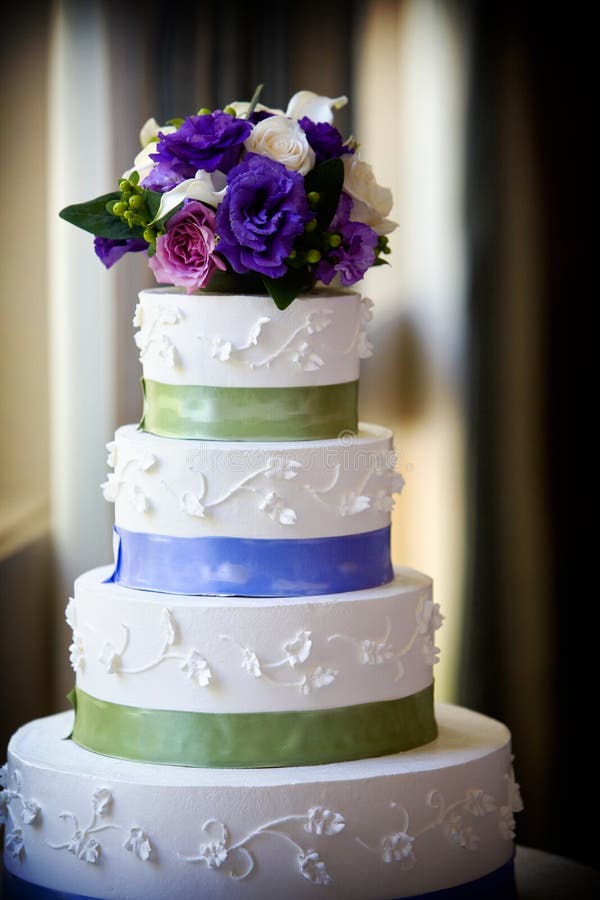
column 252, row 740
column 315, row 412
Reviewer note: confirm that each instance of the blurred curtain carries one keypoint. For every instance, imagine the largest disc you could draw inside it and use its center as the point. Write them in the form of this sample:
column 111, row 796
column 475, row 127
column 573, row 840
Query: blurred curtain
column 524, row 657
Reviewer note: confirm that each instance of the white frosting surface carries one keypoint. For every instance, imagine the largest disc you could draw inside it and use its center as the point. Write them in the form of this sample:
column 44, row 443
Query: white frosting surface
column 227, row 655
column 232, row 340
column 391, row 827
column 284, row 489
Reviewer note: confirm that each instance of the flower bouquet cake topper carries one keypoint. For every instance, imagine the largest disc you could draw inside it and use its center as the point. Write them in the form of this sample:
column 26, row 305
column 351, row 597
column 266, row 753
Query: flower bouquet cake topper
column 248, row 199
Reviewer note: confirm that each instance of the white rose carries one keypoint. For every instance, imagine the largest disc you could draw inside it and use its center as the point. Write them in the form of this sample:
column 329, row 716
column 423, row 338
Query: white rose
column 283, row 140
column 372, row 202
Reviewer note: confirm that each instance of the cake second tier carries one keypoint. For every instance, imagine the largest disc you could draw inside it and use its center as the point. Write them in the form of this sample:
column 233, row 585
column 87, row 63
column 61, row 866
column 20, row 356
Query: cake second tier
column 255, row 519
column 254, row 682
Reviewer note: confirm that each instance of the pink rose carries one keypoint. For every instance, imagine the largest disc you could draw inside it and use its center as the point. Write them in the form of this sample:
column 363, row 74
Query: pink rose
column 185, row 254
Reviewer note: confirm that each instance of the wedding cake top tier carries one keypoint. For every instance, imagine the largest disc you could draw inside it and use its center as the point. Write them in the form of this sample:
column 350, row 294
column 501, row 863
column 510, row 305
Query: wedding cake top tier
column 235, row 367
column 253, row 212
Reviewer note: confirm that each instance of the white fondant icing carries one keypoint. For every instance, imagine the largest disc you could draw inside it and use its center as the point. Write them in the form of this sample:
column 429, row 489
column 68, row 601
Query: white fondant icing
column 252, row 654
column 245, row 341
column 300, row 489
column 390, row 827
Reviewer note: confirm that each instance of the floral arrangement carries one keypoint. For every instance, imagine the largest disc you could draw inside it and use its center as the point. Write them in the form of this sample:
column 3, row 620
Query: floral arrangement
column 246, row 198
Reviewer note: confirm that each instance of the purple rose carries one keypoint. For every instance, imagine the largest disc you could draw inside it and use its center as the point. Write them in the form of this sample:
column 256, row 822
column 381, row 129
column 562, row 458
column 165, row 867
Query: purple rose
column 262, row 214
column 356, row 252
column 209, row 142
column 110, row 251
column 185, row 254
column 325, row 139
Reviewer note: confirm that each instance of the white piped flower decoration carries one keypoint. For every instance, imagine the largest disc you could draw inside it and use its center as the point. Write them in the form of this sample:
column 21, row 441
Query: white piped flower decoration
column 220, row 349
column 110, row 658
column 478, row 803
column 506, row 823
column 191, row 504
column 324, row 821
column 111, row 458
column 197, row 669
column 398, row 847
column 138, row 843
column 298, row 650
column 138, row 499
column 14, row 844
column 318, row 678
column 250, row 663
column 30, row 812
column 282, row 469
column 110, row 487
column 304, row 357
column 313, row 868
column 274, row 507
column 76, row 652
column 102, row 801
column 352, row 503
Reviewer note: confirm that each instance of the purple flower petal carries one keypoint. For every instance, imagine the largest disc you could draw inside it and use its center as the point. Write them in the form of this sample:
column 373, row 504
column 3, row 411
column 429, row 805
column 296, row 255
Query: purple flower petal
column 262, row 214
column 325, row 139
column 210, row 142
column 110, row 251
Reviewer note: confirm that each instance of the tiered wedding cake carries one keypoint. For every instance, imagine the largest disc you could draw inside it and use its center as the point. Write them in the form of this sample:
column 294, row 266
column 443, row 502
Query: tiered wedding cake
column 254, row 709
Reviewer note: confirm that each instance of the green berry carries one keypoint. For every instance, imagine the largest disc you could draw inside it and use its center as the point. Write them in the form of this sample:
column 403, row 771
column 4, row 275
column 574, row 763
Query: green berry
column 313, row 256
column 230, row 111
column 149, row 235
column 310, row 226
column 334, row 240
column 136, row 202
column 313, row 197
column 205, row 111
column 119, row 208
column 124, row 185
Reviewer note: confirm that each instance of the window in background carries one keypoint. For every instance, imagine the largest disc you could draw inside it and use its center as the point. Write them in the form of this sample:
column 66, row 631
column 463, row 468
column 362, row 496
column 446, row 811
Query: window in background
column 409, row 110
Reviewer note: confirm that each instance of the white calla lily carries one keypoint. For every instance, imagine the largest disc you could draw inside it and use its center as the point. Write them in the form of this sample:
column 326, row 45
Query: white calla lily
column 316, row 107
column 143, row 164
column 149, row 131
column 241, row 108
column 207, row 187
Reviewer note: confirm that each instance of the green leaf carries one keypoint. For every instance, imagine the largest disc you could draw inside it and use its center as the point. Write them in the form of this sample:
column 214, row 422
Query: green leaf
column 93, row 217
column 327, row 180
column 231, row 283
column 381, row 262
column 285, row 290
column 152, row 200
column 254, row 100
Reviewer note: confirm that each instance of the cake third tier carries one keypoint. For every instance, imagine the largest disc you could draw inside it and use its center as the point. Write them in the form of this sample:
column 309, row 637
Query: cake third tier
column 251, row 518
column 204, row 681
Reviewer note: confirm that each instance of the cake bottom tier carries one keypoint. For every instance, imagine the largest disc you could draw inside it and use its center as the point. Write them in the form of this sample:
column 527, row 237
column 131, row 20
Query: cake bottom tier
column 427, row 820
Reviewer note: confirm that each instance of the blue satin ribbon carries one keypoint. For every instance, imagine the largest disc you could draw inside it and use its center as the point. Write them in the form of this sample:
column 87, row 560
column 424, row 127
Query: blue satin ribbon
column 498, row 885
column 246, row 567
